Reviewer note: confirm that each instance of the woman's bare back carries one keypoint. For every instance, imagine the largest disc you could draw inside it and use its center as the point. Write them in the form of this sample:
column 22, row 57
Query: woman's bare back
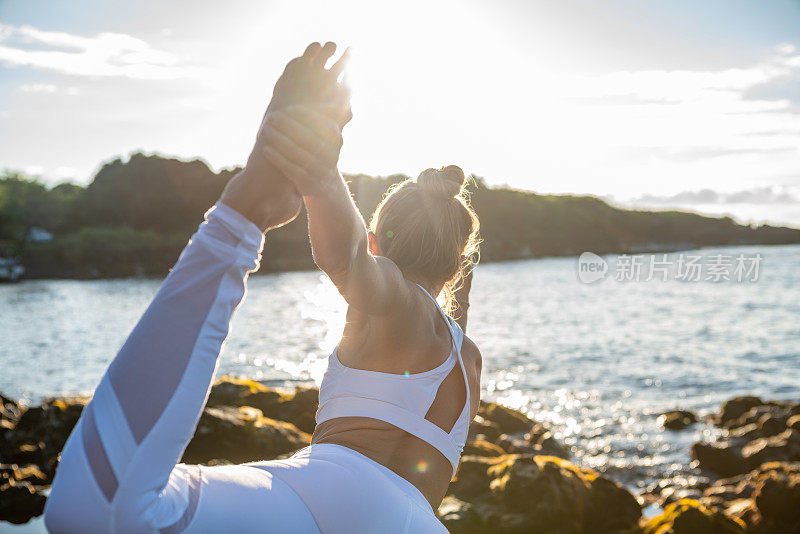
column 414, row 340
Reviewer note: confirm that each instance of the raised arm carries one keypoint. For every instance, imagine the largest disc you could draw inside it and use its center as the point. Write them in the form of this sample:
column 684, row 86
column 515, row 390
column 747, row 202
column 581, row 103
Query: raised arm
column 304, row 144
column 119, row 469
column 461, row 297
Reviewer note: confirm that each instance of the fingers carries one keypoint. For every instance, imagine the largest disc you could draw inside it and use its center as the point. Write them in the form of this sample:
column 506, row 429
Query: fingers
column 320, row 122
column 310, row 126
column 325, row 54
column 338, row 107
column 293, row 153
column 291, row 170
column 340, row 64
column 304, row 137
column 311, row 51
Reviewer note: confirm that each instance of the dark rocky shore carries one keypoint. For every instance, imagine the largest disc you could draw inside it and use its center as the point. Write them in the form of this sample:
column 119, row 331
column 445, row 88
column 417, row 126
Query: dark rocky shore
column 514, row 477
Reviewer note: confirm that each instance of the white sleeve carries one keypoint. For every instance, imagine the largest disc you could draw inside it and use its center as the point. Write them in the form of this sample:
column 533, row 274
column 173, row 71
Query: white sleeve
column 118, row 469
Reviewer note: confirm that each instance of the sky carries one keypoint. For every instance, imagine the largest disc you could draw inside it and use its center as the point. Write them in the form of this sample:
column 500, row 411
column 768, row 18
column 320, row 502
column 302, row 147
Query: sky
column 655, row 104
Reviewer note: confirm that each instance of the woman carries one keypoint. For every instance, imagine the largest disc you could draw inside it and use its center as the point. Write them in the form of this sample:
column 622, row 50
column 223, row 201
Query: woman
column 403, row 383
column 394, row 407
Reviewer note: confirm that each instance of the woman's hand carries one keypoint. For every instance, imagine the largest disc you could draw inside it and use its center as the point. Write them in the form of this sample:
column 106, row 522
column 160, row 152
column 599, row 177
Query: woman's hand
column 306, row 81
column 464, row 287
column 260, row 191
column 304, row 143
column 461, row 296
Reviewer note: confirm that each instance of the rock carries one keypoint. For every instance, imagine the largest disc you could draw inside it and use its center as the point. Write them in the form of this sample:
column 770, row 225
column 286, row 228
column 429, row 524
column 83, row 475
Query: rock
column 561, row 497
column 505, row 442
column 752, row 415
column 53, row 419
column 509, row 421
column 499, row 520
column 745, row 433
column 231, row 391
column 20, row 497
column 794, row 423
column 30, row 441
column 514, row 445
column 728, row 489
column 472, row 478
column 784, row 447
column 677, row 487
column 688, row 516
column 41, row 431
column 8, row 402
column 721, row 458
column 758, row 432
column 9, row 413
column 777, row 499
column 479, row 447
column 734, row 408
column 460, row 517
column 675, row 494
column 20, row 502
column 298, row 408
column 766, row 499
column 612, row 509
column 240, row 435
column 26, row 453
column 771, row 425
column 677, row 419
column 543, row 442
column 26, row 473
column 480, row 426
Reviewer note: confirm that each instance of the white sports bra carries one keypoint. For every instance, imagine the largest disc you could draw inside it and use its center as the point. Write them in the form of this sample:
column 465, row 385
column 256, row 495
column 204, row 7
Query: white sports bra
column 400, row 400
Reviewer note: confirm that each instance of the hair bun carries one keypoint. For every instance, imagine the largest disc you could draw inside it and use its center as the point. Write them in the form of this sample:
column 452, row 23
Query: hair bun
column 446, row 181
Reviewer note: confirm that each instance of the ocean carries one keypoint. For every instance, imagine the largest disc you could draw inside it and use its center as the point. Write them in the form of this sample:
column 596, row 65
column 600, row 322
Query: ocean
column 597, row 362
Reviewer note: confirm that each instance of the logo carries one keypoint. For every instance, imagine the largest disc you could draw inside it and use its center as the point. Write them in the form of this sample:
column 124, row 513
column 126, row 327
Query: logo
column 591, row 268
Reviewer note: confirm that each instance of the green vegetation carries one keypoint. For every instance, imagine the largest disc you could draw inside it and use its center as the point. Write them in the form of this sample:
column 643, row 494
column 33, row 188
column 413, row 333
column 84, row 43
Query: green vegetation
column 135, row 217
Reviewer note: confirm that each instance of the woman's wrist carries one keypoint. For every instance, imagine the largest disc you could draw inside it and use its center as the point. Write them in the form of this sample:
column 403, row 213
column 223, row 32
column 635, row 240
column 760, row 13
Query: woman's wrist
column 329, row 185
column 267, row 199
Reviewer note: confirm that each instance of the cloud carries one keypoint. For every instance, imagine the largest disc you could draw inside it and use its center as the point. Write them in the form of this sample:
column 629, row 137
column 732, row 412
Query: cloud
column 732, row 116
column 48, row 88
column 768, row 195
column 38, row 88
column 690, row 154
column 65, row 173
column 34, row 170
column 106, row 54
column 775, row 78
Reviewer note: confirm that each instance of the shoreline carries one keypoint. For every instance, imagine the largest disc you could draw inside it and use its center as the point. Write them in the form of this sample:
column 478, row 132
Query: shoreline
column 506, row 461
column 655, row 249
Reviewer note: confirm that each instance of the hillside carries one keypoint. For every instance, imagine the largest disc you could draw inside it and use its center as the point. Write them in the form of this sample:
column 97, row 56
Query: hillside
column 135, row 216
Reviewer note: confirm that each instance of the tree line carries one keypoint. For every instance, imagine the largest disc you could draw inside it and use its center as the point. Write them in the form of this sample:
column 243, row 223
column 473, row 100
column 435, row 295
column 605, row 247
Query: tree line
column 135, row 216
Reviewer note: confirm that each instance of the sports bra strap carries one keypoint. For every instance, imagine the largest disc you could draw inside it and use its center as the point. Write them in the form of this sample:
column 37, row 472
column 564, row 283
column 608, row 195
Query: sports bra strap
column 457, row 337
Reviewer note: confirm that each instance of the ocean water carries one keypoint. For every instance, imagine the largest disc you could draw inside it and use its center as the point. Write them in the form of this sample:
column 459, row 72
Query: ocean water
column 597, row 362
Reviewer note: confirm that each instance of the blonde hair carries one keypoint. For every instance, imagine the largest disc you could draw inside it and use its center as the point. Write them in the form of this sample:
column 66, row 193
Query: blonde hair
column 428, row 228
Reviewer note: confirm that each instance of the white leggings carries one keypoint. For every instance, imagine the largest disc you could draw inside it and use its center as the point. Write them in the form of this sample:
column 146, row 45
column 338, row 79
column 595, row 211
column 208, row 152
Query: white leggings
column 347, row 492
column 119, row 470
